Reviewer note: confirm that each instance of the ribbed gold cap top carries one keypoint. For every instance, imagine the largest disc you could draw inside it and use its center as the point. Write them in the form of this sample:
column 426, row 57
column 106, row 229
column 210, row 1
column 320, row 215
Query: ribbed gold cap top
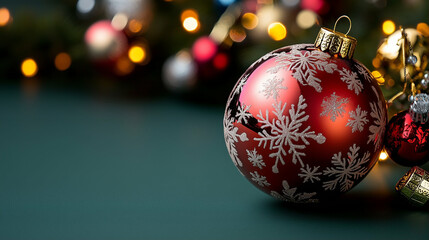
column 335, row 43
column 414, row 186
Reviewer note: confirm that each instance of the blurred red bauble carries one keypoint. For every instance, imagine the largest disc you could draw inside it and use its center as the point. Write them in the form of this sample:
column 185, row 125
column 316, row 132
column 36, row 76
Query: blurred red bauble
column 407, row 137
column 302, row 124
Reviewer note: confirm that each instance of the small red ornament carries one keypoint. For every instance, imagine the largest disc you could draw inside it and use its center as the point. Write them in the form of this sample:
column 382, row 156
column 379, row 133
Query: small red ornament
column 302, row 124
column 407, row 137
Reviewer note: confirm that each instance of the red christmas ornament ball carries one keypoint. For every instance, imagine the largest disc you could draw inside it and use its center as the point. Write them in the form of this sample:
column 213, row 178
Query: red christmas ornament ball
column 301, row 124
column 407, row 141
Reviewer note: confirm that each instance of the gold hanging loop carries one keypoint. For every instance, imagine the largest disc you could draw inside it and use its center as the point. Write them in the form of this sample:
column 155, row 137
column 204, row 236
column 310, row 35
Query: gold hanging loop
column 350, row 23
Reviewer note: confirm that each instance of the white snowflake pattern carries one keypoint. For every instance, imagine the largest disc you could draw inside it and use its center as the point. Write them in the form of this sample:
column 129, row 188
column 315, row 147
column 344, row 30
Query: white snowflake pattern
column 333, row 106
column 284, row 131
column 352, row 80
column 304, row 66
column 243, row 113
column 346, row 169
column 357, row 119
column 272, row 86
column 310, row 174
column 259, row 179
column 364, row 72
column 378, row 114
column 255, row 158
column 231, row 137
column 240, row 84
column 264, row 58
column 290, row 195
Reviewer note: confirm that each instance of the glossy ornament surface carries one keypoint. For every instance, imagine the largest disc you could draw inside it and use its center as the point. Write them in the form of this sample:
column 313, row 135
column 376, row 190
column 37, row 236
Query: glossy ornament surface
column 301, row 124
column 407, row 141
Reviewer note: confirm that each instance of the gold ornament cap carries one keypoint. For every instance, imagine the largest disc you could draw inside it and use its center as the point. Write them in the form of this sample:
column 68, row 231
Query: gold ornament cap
column 414, row 186
column 336, row 43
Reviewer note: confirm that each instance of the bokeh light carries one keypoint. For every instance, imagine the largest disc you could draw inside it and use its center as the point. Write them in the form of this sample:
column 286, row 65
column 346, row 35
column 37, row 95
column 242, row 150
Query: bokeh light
column 180, row 72
column 62, row 61
column 29, row 67
column 135, row 25
column 317, row 6
column 237, row 34
column 306, row 19
column 191, row 24
column 423, row 28
column 383, row 155
column 124, row 66
column 249, row 21
column 290, row 3
column 188, row 13
column 226, row 2
column 277, row 31
column 220, row 61
column 85, row 6
column 388, row 27
column 105, row 42
column 119, row 21
column 137, row 54
column 378, row 76
column 4, row 17
column 204, row 49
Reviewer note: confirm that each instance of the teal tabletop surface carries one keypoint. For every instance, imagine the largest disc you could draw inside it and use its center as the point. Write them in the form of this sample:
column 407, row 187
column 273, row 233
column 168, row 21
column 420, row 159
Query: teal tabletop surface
column 80, row 166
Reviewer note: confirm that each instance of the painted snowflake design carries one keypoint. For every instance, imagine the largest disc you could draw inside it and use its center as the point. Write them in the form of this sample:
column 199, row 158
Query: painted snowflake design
column 290, row 195
column 357, row 119
column 304, row 66
column 231, row 137
column 240, row 85
column 284, row 131
column 264, row 58
column 243, row 113
column 346, row 169
column 333, row 106
column 364, row 72
column 352, row 80
column 379, row 126
column 272, row 86
column 310, row 174
column 259, row 179
column 255, row 158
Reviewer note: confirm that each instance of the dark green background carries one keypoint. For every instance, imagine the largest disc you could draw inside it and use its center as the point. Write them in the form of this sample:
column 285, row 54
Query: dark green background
column 78, row 166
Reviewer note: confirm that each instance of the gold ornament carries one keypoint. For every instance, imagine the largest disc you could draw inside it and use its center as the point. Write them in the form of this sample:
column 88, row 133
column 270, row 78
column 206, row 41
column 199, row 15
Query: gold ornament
column 414, row 186
column 411, row 42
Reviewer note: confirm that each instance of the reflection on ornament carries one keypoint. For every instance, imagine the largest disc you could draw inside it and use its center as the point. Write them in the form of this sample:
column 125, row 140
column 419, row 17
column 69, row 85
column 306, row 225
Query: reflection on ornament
column 104, row 42
column 180, row 72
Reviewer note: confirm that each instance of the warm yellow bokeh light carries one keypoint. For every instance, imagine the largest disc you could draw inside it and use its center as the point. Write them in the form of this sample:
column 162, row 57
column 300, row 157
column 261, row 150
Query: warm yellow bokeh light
column 306, row 19
column 124, row 66
column 383, row 155
column 191, row 24
column 188, row 13
column 423, row 28
column 237, row 34
column 4, row 16
column 137, row 54
column 29, row 67
column 277, row 31
column 62, row 61
column 388, row 27
column 135, row 26
column 378, row 76
column 249, row 21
